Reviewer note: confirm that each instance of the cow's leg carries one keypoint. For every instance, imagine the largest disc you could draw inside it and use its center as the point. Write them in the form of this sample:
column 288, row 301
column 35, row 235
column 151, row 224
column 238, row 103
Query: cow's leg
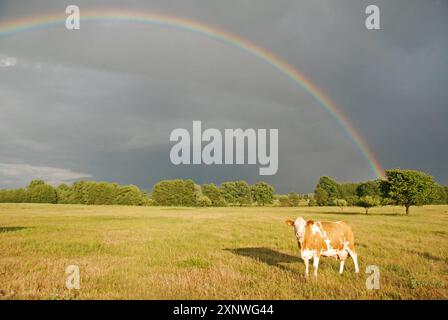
column 341, row 266
column 315, row 264
column 355, row 259
column 306, row 266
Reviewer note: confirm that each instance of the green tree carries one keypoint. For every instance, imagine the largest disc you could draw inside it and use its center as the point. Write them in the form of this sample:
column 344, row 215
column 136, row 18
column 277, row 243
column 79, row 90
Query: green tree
column 294, row 199
column 369, row 188
column 347, row 190
column 262, row 193
column 368, row 202
column 78, row 194
column 35, row 183
column 236, row 192
column 321, row 197
column 408, row 187
column 40, row 192
column 63, row 192
column 326, row 191
column 244, row 196
column 341, row 203
column 446, row 193
column 175, row 193
column 283, row 201
column 213, row 192
column 204, row 201
column 229, row 191
column 129, row 196
column 14, row 196
column 22, row 195
column 439, row 195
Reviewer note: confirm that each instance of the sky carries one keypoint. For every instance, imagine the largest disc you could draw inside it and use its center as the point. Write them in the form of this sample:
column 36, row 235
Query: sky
column 100, row 103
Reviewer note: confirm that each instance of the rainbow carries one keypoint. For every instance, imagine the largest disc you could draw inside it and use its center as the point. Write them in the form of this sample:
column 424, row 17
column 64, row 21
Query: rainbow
column 15, row 26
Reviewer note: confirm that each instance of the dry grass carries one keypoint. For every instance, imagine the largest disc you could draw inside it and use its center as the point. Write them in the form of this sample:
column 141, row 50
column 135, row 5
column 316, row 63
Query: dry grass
column 213, row 253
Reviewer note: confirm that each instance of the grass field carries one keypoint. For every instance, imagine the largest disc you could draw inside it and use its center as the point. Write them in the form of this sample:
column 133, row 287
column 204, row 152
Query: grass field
column 214, row 253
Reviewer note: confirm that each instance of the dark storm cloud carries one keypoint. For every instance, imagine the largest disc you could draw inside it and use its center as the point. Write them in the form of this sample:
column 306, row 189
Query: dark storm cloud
column 102, row 101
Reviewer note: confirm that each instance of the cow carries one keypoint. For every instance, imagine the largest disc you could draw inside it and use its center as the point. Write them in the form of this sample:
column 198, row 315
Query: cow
column 322, row 238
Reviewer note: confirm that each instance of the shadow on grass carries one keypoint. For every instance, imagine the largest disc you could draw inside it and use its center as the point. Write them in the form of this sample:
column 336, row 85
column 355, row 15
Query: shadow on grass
column 11, row 229
column 429, row 256
column 348, row 213
column 266, row 255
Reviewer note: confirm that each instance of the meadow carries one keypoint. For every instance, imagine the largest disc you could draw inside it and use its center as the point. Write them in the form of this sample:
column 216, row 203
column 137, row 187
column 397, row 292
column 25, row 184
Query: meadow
column 214, row 253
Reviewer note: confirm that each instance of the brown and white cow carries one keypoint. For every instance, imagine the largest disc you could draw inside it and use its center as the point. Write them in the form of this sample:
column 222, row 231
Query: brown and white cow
column 328, row 239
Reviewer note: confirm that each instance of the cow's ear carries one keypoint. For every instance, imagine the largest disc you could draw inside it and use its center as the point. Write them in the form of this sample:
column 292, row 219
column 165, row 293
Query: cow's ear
column 309, row 222
column 289, row 222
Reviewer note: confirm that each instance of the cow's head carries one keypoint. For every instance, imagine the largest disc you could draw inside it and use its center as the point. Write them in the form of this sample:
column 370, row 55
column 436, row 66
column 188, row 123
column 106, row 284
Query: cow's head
column 299, row 227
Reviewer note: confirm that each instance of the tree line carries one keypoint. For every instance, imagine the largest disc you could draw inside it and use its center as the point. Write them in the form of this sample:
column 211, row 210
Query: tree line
column 176, row 192
column 401, row 187
column 80, row 192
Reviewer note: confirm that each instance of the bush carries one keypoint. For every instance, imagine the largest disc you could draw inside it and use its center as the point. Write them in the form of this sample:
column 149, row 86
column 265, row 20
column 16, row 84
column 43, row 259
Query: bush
column 204, row 201
column 283, row 201
column 351, row 200
column 221, row 203
column 312, row 203
column 341, row 203
column 293, row 199
column 148, row 202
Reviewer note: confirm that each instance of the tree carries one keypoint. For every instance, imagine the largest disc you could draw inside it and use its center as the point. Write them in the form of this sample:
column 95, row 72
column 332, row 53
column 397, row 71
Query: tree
column 262, row 193
column 213, row 192
column 446, row 193
column 408, row 187
column 439, row 195
column 283, row 201
column 341, row 203
column 347, row 190
column 175, row 193
column 104, row 193
column 368, row 202
column 229, row 192
column 244, row 196
column 35, row 183
column 39, row 192
column 321, row 197
column 14, row 196
column 129, row 196
column 369, row 188
column 293, row 199
column 78, row 194
column 63, row 192
column 326, row 191
column 204, row 201
column 236, row 192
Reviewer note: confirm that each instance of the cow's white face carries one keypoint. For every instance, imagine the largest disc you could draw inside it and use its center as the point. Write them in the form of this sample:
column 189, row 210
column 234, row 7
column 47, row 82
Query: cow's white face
column 299, row 227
